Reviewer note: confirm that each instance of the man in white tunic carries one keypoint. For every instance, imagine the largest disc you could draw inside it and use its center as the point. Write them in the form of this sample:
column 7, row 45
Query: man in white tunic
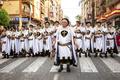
column 89, row 38
column 111, row 42
column 17, row 43
column 98, row 40
column 47, row 40
column 4, row 43
column 78, row 38
column 40, row 41
column 65, row 52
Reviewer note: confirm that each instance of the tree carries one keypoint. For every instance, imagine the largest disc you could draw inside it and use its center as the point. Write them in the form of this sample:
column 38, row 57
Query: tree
column 78, row 17
column 4, row 18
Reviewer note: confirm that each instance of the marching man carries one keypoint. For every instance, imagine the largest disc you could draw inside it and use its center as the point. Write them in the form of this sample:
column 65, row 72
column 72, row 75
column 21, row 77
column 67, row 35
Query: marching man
column 78, row 38
column 110, row 41
column 65, row 52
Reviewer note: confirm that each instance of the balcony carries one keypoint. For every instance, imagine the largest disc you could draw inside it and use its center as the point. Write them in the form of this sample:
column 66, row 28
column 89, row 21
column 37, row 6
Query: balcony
column 109, row 3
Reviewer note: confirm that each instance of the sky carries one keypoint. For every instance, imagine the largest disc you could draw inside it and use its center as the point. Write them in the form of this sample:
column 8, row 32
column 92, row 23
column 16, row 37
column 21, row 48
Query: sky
column 71, row 9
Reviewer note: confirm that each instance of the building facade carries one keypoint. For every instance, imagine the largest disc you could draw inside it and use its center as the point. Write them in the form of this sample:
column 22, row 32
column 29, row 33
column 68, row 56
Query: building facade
column 101, row 10
column 32, row 12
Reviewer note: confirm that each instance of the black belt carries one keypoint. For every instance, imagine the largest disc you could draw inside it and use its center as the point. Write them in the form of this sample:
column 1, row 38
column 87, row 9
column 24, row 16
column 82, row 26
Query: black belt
column 87, row 38
column 66, row 44
column 78, row 37
column 110, row 38
column 98, row 36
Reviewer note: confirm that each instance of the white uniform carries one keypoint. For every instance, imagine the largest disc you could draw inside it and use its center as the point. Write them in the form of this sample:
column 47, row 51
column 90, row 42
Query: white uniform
column 26, row 40
column 87, row 41
column 8, row 43
column 35, row 43
column 40, row 41
column 65, row 46
column 17, row 42
column 22, row 42
column 4, row 43
column 78, row 37
column 13, row 41
column 99, row 39
column 30, row 40
column 104, row 30
column 48, row 39
column 111, row 38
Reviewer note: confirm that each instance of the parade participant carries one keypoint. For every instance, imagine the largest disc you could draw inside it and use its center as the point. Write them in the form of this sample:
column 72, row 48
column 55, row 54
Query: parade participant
column 26, row 44
column 13, row 42
column 65, row 52
column 104, row 31
column 40, row 41
column 111, row 42
column 17, row 43
column 35, row 42
column 4, row 42
column 8, row 43
column 30, row 40
column 22, row 43
column 47, row 41
column 78, row 38
column 87, row 43
column 89, row 37
column 98, row 40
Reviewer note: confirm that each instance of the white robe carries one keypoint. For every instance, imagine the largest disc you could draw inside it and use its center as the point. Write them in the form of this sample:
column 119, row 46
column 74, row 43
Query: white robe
column 87, row 42
column 22, row 43
column 48, row 45
column 79, row 38
column 65, row 51
column 13, row 42
column 17, row 42
column 40, row 41
column 99, row 42
column 26, row 40
column 35, row 45
column 8, row 44
column 4, row 45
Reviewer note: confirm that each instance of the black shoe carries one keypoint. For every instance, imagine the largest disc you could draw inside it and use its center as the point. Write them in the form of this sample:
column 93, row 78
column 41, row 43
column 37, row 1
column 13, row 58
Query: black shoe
column 106, row 55
column 85, row 54
column 79, row 54
column 96, row 55
column 111, row 55
column 101, row 55
column 68, row 68
column 4, row 56
column 61, row 68
column 89, row 55
column 7, row 56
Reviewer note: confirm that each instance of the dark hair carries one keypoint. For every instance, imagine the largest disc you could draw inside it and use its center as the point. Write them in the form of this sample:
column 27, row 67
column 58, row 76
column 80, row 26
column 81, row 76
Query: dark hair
column 57, row 22
column 98, row 22
column 78, row 22
column 47, row 22
column 66, row 20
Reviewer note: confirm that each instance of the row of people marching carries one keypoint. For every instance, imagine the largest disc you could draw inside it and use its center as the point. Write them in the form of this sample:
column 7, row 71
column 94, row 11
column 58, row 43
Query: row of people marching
column 27, row 41
column 35, row 41
column 99, row 40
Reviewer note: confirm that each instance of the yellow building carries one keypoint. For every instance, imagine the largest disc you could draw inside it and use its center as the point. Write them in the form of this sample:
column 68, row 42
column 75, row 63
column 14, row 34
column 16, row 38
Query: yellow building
column 23, row 11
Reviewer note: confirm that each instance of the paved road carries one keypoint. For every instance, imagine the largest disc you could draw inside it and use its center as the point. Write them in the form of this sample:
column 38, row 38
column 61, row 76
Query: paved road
column 42, row 68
